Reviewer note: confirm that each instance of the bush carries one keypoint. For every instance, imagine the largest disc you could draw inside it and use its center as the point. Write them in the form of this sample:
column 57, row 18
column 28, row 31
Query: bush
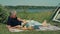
column 3, row 14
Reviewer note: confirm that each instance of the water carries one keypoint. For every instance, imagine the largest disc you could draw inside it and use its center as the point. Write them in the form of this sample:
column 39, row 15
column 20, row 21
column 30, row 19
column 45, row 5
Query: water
column 34, row 10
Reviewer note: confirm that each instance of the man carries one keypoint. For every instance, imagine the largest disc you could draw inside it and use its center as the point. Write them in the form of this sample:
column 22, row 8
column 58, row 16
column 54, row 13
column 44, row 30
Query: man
column 13, row 21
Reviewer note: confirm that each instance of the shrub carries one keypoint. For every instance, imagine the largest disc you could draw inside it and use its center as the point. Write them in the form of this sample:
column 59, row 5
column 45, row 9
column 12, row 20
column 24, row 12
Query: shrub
column 3, row 14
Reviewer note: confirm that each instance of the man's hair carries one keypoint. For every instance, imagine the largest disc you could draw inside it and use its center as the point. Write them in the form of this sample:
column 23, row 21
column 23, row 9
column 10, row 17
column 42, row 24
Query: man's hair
column 12, row 12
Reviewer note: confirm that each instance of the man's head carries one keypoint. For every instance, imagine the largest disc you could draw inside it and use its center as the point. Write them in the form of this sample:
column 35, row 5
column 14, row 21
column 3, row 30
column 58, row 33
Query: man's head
column 13, row 14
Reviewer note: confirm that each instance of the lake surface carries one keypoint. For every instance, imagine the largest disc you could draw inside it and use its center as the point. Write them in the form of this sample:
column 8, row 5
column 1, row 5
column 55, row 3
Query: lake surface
column 34, row 10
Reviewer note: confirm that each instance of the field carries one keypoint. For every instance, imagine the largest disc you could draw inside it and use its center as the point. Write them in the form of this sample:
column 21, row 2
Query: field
column 38, row 16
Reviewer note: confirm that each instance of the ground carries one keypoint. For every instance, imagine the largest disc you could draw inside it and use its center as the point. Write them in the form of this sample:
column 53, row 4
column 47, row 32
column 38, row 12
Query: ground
column 41, row 16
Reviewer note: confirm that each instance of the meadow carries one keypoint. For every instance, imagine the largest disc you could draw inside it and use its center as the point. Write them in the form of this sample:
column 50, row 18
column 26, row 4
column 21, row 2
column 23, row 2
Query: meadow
column 38, row 16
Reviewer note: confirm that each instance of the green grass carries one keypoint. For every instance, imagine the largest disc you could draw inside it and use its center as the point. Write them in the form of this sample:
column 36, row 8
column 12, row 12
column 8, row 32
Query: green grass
column 39, row 16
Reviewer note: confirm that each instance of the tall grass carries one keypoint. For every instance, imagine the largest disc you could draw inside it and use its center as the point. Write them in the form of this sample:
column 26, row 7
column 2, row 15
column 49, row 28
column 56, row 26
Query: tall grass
column 38, row 16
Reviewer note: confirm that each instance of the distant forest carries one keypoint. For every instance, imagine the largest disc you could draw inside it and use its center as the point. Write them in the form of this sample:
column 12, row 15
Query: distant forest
column 30, row 7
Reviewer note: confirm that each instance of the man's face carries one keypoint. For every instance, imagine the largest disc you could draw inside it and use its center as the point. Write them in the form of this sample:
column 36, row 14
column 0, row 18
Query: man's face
column 13, row 15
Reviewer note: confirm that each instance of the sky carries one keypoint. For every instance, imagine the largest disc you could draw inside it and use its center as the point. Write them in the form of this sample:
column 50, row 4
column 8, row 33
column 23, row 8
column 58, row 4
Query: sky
column 30, row 2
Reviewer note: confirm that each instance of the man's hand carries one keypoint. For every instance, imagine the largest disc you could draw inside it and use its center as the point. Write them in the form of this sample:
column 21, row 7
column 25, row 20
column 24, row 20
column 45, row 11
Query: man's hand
column 24, row 21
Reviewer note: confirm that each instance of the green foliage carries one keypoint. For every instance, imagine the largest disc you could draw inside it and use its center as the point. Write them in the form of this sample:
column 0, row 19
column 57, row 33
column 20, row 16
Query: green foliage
column 3, row 14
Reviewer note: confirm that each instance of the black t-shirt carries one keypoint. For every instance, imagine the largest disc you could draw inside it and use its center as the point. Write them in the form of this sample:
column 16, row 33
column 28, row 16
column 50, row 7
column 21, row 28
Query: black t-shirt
column 13, row 21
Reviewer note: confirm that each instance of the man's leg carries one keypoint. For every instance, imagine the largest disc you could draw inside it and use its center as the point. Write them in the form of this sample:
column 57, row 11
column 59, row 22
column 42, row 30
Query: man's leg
column 18, row 27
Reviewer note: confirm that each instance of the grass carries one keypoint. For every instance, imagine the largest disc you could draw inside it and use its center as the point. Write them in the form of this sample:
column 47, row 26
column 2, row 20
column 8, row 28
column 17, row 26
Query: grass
column 38, row 16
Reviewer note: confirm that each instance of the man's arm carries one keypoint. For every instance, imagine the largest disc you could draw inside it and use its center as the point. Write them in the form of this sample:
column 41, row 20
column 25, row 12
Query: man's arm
column 24, row 21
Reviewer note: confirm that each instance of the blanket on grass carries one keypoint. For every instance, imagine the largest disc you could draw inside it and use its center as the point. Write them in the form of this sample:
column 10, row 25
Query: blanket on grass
column 37, row 26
